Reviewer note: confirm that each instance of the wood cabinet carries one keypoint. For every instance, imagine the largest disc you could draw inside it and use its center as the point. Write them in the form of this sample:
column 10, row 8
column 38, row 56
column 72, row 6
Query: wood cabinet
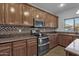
column 1, row 13
column 23, row 14
column 54, row 20
column 65, row 40
column 51, row 21
column 53, row 41
column 27, row 15
column 60, row 39
column 5, row 49
column 13, row 13
column 48, row 22
column 31, row 47
column 24, row 47
column 19, row 48
column 38, row 14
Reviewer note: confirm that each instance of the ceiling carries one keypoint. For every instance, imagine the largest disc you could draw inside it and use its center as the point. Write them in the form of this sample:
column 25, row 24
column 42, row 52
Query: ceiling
column 54, row 7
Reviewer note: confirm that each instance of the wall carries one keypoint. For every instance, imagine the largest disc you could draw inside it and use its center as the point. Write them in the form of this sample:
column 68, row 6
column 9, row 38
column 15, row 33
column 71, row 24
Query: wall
column 64, row 15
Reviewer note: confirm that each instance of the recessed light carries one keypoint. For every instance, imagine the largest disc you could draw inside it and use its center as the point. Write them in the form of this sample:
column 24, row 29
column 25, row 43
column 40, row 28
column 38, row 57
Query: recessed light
column 12, row 9
column 26, row 13
column 77, row 12
column 62, row 4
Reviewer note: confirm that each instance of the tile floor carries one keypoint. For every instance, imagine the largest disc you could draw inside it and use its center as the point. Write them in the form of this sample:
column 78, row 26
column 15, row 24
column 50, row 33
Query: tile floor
column 57, row 51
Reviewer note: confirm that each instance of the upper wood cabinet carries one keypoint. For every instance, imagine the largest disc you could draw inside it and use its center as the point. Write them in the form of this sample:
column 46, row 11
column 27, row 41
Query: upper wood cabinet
column 54, row 20
column 1, row 13
column 48, row 20
column 13, row 13
column 23, row 14
column 27, row 15
column 38, row 14
column 51, row 21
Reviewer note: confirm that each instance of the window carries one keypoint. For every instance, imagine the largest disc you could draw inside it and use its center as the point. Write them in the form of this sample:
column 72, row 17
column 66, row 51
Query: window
column 71, row 24
column 77, row 24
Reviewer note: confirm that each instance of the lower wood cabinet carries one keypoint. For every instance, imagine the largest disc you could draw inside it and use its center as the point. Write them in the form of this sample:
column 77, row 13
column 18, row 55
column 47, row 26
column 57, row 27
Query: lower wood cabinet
column 5, row 49
column 65, row 40
column 26, row 47
column 53, row 41
column 19, row 48
column 60, row 39
column 31, row 47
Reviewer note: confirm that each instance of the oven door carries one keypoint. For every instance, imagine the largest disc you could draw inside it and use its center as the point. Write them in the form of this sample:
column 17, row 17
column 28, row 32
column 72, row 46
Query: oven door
column 43, row 40
column 43, row 49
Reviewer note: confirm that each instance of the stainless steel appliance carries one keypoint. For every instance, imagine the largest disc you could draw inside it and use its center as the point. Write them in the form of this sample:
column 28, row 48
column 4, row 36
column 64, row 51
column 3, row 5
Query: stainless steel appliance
column 42, row 42
column 38, row 23
column 43, row 45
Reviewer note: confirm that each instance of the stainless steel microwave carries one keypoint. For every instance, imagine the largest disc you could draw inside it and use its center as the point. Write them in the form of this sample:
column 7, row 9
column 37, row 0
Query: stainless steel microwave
column 38, row 23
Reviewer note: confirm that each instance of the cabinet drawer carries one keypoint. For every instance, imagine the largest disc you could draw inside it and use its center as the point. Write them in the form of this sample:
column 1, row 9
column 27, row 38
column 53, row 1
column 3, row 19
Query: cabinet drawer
column 5, row 49
column 19, row 43
column 31, row 41
column 5, row 46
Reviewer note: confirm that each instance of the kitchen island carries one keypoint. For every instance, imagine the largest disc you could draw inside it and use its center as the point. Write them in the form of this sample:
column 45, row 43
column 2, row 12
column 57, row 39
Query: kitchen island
column 73, row 48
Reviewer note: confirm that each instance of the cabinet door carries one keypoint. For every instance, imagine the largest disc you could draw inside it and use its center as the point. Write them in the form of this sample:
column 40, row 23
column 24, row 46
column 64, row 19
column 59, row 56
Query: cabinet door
column 53, row 41
column 19, row 48
column 67, row 40
column 13, row 13
column 32, row 50
column 51, row 21
column 31, row 47
column 48, row 22
column 27, row 15
column 38, row 14
column 60, row 39
column 50, row 42
column 54, row 21
column 5, row 49
column 1, row 13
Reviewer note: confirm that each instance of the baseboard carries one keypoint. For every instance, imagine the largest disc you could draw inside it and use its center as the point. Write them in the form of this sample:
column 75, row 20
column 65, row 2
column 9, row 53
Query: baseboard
column 61, row 45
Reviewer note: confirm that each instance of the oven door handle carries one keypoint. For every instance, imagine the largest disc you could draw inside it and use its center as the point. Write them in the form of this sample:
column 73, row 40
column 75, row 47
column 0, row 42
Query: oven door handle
column 43, row 38
column 43, row 44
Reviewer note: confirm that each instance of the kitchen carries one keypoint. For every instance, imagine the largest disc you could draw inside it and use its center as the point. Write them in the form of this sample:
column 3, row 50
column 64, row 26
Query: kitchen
column 29, row 29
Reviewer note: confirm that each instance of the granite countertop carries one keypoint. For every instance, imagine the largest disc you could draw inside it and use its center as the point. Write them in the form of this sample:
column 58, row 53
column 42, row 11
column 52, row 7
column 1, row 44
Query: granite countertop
column 72, row 34
column 11, row 39
column 73, row 47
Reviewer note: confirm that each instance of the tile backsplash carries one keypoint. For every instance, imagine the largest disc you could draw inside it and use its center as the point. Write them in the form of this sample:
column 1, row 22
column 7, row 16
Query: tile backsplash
column 13, row 29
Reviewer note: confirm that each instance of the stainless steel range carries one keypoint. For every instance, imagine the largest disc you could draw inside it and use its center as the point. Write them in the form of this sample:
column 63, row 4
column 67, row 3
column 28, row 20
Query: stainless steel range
column 42, row 43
